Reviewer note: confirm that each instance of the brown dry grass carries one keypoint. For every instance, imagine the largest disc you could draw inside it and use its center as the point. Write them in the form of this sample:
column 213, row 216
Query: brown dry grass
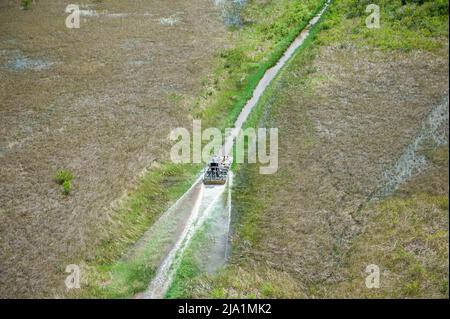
column 103, row 110
column 340, row 131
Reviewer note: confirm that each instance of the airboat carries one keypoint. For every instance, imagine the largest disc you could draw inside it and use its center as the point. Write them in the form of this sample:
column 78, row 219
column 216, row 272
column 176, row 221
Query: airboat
column 218, row 170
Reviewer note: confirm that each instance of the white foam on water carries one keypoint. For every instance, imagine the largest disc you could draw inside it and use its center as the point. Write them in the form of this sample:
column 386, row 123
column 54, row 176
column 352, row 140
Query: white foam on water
column 206, row 199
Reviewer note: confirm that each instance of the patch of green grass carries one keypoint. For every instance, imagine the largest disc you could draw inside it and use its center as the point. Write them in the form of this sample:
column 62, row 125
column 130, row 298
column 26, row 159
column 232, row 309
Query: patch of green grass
column 438, row 156
column 402, row 27
column 64, row 178
column 189, row 267
column 26, row 4
column 240, row 282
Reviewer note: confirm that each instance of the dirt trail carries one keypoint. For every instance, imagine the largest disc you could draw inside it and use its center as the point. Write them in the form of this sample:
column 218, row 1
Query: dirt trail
column 207, row 197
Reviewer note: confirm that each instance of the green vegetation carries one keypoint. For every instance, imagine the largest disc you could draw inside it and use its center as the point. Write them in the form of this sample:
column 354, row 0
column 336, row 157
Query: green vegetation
column 403, row 27
column 26, row 4
column 67, row 186
column 188, row 267
column 243, row 66
column 64, row 178
column 175, row 97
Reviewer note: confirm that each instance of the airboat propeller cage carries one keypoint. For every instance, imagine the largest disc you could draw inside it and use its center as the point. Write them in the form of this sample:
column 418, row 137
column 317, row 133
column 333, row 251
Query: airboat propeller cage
column 218, row 170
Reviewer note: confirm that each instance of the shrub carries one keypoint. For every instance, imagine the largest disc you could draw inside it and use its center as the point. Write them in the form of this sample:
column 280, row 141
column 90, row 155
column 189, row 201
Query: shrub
column 63, row 176
column 25, row 4
column 67, row 186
